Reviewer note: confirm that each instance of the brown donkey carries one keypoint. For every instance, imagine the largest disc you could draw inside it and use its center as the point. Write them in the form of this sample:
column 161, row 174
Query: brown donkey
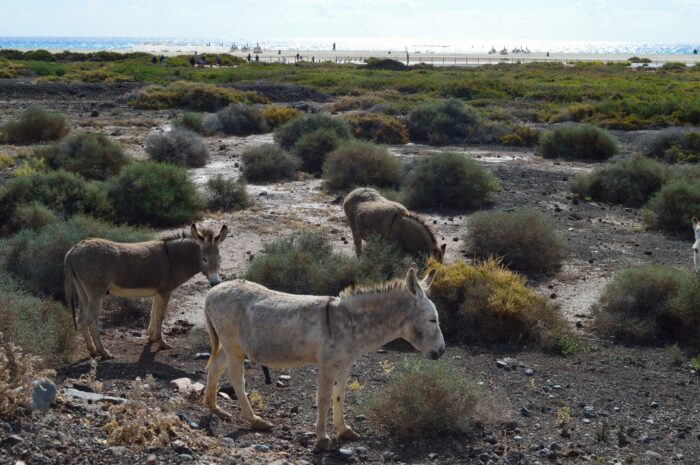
column 370, row 213
column 97, row 267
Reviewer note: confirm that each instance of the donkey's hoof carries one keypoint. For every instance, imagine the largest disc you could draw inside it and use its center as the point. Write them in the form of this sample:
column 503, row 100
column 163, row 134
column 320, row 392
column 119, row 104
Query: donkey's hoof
column 324, row 444
column 261, row 425
column 224, row 415
column 349, row 435
column 106, row 355
column 160, row 344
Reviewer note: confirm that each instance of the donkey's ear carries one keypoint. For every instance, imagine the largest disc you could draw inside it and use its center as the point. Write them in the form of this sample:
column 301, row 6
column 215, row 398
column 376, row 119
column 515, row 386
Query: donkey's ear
column 695, row 221
column 428, row 279
column 195, row 234
column 222, row 235
column 443, row 247
column 412, row 283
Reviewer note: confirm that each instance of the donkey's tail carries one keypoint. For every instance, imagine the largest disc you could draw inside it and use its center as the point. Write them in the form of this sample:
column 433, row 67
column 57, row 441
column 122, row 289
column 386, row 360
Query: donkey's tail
column 213, row 337
column 69, row 287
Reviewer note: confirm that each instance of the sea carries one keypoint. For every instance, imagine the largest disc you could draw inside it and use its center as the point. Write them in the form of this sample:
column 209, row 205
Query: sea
column 463, row 46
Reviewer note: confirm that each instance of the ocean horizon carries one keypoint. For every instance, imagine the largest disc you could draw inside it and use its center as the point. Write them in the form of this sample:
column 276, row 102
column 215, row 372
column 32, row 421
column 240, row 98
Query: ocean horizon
column 413, row 45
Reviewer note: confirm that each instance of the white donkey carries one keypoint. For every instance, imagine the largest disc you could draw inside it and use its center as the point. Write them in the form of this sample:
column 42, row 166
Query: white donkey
column 286, row 330
column 696, row 245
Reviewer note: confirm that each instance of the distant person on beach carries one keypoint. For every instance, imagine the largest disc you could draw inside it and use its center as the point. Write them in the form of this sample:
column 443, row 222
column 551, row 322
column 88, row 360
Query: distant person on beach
column 695, row 52
column 248, row 58
column 192, row 61
column 257, row 58
column 203, row 61
column 154, row 60
column 218, row 60
column 407, row 59
column 547, row 53
column 162, row 60
column 297, row 57
column 334, row 46
column 313, row 59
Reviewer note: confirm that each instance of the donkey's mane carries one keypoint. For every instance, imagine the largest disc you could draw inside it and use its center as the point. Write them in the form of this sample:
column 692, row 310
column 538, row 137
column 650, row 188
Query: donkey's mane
column 422, row 221
column 207, row 233
column 359, row 289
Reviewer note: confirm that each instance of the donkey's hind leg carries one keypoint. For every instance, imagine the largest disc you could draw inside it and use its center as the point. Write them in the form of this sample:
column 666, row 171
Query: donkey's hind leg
column 155, row 326
column 325, row 378
column 344, row 431
column 214, row 370
column 236, row 373
column 93, row 315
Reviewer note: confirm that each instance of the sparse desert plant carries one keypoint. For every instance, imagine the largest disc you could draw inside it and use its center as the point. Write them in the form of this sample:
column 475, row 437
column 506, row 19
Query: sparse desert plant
column 277, row 115
column 488, row 304
column 312, row 148
column 6, row 161
column 190, row 120
column 377, row 128
column 268, row 163
column 35, row 124
column 29, row 166
column 631, row 181
column 35, row 257
column 650, row 306
column 242, row 120
column 443, row 122
column 673, row 207
column 358, row 163
column 673, row 145
column 425, row 398
column 524, row 240
column 156, row 194
column 578, row 142
column 226, row 194
column 288, row 134
column 520, row 136
column 179, row 147
column 210, row 124
column 32, row 216
column 385, row 64
column 356, row 102
column 194, row 96
column 449, row 180
column 89, row 154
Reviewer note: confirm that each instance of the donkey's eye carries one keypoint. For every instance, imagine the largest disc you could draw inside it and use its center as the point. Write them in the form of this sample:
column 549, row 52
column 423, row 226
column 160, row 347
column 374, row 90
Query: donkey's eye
column 434, row 320
column 204, row 260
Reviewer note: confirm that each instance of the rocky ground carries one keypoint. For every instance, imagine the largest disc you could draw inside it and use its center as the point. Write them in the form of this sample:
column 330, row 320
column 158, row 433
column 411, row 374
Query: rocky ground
column 604, row 405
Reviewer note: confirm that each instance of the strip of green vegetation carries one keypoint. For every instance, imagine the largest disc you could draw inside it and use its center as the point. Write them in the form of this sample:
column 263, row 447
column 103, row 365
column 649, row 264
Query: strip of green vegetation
column 611, row 95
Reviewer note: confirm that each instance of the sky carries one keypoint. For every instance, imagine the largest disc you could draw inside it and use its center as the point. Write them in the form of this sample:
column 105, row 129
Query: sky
column 669, row 21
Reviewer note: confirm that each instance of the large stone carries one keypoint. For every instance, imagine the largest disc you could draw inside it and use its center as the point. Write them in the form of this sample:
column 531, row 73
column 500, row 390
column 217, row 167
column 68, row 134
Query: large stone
column 44, row 393
column 91, row 397
column 185, row 386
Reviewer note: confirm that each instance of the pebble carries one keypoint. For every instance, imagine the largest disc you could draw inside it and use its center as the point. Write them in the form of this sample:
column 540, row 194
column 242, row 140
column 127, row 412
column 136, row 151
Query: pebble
column 645, row 439
column 586, row 420
column 118, row 451
column 185, row 386
column 652, row 455
column 151, row 460
column 262, row 193
column 261, row 447
column 44, row 393
column 12, row 440
column 345, row 454
column 555, row 446
column 654, row 405
column 525, row 412
column 185, row 457
column 529, row 372
column 432, row 456
column 91, row 397
column 285, row 378
column 201, row 355
column 517, row 438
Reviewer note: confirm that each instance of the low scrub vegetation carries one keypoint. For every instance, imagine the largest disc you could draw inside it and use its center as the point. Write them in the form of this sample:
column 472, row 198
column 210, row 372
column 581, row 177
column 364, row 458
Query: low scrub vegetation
column 444, row 122
column 225, row 194
column 673, row 207
column 35, row 256
column 449, row 180
column 276, row 115
column 487, row 304
column 242, row 120
column 673, row 145
column 313, row 148
column 155, row 194
column 268, row 163
column 651, row 306
column 289, row 134
column 524, row 240
column 190, row 120
column 578, row 142
column 356, row 102
column 32, row 216
column 178, row 146
column 361, row 164
column 387, row 64
column 35, row 124
column 306, row 264
column 426, row 399
column 377, row 128
column 91, row 155
column 520, row 136
column 194, row 96
column 631, row 181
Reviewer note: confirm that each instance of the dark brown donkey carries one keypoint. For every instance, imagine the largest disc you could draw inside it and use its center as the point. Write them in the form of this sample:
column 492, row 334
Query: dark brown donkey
column 97, row 267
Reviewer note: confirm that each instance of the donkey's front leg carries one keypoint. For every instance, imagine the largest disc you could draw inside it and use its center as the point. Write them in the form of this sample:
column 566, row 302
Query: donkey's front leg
column 155, row 327
column 236, row 373
column 344, row 431
column 325, row 378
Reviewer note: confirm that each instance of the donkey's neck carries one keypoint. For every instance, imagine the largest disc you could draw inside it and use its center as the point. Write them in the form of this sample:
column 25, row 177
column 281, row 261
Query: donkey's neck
column 183, row 255
column 375, row 319
column 416, row 235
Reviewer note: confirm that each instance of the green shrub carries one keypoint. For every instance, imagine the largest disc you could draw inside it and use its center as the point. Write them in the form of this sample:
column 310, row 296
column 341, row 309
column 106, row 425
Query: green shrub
column 40, row 327
column 276, row 115
column 226, row 194
column 385, row 64
column 6, row 161
column 425, row 399
column 673, row 207
column 35, row 257
column 520, row 136
column 578, row 142
column 64, row 193
column 288, row 134
column 306, row 264
column 89, row 154
column 179, row 147
column 156, row 194
column 448, row 180
column 190, row 120
column 242, row 120
column 650, row 306
column 268, row 162
column 32, row 216
column 444, row 122
column 525, row 239
column 631, row 181
column 313, row 148
column 194, row 96
column 487, row 304
column 673, row 145
column 358, row 163
column 35, row 124
column 377, row 128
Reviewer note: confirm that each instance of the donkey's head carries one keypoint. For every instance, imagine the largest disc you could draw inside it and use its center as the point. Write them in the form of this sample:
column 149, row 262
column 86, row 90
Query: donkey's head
column 439, row 252
column 209, row 256
column 423, row 328
column 696, row 228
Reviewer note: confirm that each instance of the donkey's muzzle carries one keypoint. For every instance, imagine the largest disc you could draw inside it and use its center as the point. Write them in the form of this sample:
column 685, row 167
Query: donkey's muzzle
column 436, row 354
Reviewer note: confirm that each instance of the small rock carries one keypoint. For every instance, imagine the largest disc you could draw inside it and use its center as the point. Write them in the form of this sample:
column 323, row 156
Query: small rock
column 644, row 439
column 517, row 438
column 12, row 440
column 555, row 446
column 151, row 460
column 91, row 397
column 529, row 372
column 263, row 193
column 185, row 457
column 222, row 147
column 345, row 454
column 525, row 412
column 338, row 200
column 94, row 114
column 236, row 165
column 44, row 393
column 586, row 420
column 387, row 456
column 261, row 447
column 556, row 386
column 652, row 455
column 118, row 451
column 285, row 378
column 280, row 384
column 228, row 442
column 654, row 405
column 185, row 386
column 382, row 351
column 432, row 456
column 202, row 355
column 192, row 424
